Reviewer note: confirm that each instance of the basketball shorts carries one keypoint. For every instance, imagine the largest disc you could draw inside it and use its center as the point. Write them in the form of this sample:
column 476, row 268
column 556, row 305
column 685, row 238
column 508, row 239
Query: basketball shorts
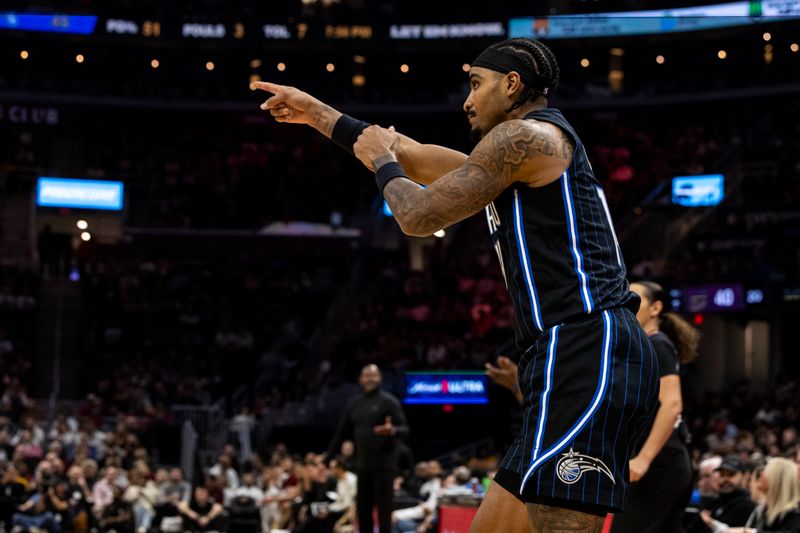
column 590, row 393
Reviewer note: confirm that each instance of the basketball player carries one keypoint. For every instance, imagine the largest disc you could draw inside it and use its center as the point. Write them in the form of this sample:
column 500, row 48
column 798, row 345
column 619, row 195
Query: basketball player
column 588, row 374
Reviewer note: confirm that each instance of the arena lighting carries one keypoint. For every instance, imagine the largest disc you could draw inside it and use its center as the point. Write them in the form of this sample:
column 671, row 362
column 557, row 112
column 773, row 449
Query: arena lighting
column 619, row 52
column 210, row 66
column 465, row 67
column 281, row 67
column 660, row 59
column 359, row 59
column 79, row 58
column 794, row 47
column 359, row 80
column 767, row 36
column 82, row 224
column 255, row 63
column 722, row 54
column 154, row 63
column 85, row 236
column 584, row 62
column 24, row 54
column 330, row 67
column 404, row 68
column 439, row 234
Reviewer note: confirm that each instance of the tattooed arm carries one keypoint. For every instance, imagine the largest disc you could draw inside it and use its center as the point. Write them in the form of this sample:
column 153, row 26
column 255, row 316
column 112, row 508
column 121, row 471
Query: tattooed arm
column 514, row 151
column 424, row 163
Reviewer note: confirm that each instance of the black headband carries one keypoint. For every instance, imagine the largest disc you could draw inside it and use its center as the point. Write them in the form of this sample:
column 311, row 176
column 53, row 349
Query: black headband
column 493, row 59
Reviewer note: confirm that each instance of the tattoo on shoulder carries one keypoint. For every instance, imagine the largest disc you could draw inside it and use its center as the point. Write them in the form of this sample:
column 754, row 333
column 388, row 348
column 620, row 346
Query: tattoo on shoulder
column 511, row 144
column 490, row 168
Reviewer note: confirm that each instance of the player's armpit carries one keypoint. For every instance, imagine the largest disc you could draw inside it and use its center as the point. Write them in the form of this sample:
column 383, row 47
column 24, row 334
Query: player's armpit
column 515, row 150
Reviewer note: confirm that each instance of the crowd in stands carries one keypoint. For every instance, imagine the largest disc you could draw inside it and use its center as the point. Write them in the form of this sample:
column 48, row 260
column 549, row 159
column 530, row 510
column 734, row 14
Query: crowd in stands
column 73, row 475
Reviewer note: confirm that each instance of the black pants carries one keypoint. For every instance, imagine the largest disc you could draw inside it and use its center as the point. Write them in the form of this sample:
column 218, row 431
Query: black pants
column 657, row 501
column 375, row 489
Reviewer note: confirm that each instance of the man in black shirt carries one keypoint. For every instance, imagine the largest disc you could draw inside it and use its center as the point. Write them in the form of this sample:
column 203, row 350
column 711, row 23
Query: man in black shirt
column 375, row 420
column 734, row 506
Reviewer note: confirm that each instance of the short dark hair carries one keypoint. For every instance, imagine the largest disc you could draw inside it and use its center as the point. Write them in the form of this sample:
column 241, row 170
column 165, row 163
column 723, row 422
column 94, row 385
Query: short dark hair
column 539, row 58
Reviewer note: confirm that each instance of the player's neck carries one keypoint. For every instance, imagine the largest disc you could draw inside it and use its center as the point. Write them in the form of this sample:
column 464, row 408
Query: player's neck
column 530, row 107
column 651, row 328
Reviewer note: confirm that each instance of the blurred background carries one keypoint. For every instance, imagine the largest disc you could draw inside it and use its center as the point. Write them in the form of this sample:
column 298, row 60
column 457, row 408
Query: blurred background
column 215, row 282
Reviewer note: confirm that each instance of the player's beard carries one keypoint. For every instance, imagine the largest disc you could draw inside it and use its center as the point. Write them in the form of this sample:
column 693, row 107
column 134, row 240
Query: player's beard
column 475, row 134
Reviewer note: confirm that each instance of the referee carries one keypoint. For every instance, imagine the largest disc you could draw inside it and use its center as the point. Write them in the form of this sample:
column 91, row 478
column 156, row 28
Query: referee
column 375, row 419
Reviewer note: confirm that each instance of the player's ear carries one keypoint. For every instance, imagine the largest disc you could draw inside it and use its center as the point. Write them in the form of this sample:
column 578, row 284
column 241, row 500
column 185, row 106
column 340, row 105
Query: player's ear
column 658, row 307
column 513, row 83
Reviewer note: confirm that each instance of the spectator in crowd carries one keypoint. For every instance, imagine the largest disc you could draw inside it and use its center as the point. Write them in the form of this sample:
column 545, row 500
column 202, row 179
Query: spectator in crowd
column 244, row 504
column 346, row 484
column 117, row 516
column 224, row 469
column 142, row 493
column 778, row 509
column 318, row 487
column 175, row 489
column 707, row 489
column 80, row 495
column 13, row 488
column 201, row 513
column 421, row 516
column 40, row 510
column 734, row 505
column 103, row 490
column 247, row 489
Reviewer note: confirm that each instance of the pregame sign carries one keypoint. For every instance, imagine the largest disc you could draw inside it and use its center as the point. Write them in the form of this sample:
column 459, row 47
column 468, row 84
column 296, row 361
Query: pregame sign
column 438, row 388
column 82, row 194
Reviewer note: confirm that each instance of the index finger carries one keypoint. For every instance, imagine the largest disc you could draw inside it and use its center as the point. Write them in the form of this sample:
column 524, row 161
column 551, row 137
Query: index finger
column 267, row 86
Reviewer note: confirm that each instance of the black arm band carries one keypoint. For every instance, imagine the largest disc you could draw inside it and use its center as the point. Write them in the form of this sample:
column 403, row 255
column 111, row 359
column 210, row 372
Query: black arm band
column 387, row 172
column 346, row 131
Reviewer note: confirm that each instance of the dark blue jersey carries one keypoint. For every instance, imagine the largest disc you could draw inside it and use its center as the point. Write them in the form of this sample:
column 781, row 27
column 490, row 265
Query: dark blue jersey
column 557, row 246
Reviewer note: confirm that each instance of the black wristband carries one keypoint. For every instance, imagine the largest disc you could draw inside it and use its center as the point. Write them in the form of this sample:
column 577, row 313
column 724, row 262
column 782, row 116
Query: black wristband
column 346, row 131
column 387, row 172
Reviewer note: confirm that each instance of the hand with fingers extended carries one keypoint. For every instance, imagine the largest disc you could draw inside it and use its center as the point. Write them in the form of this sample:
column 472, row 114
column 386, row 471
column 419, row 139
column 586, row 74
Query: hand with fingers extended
column 288, row 104
column 386, row 429
column 291, row 105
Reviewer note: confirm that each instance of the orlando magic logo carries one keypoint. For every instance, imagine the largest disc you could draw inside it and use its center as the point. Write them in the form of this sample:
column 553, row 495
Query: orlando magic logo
column 572, row 465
